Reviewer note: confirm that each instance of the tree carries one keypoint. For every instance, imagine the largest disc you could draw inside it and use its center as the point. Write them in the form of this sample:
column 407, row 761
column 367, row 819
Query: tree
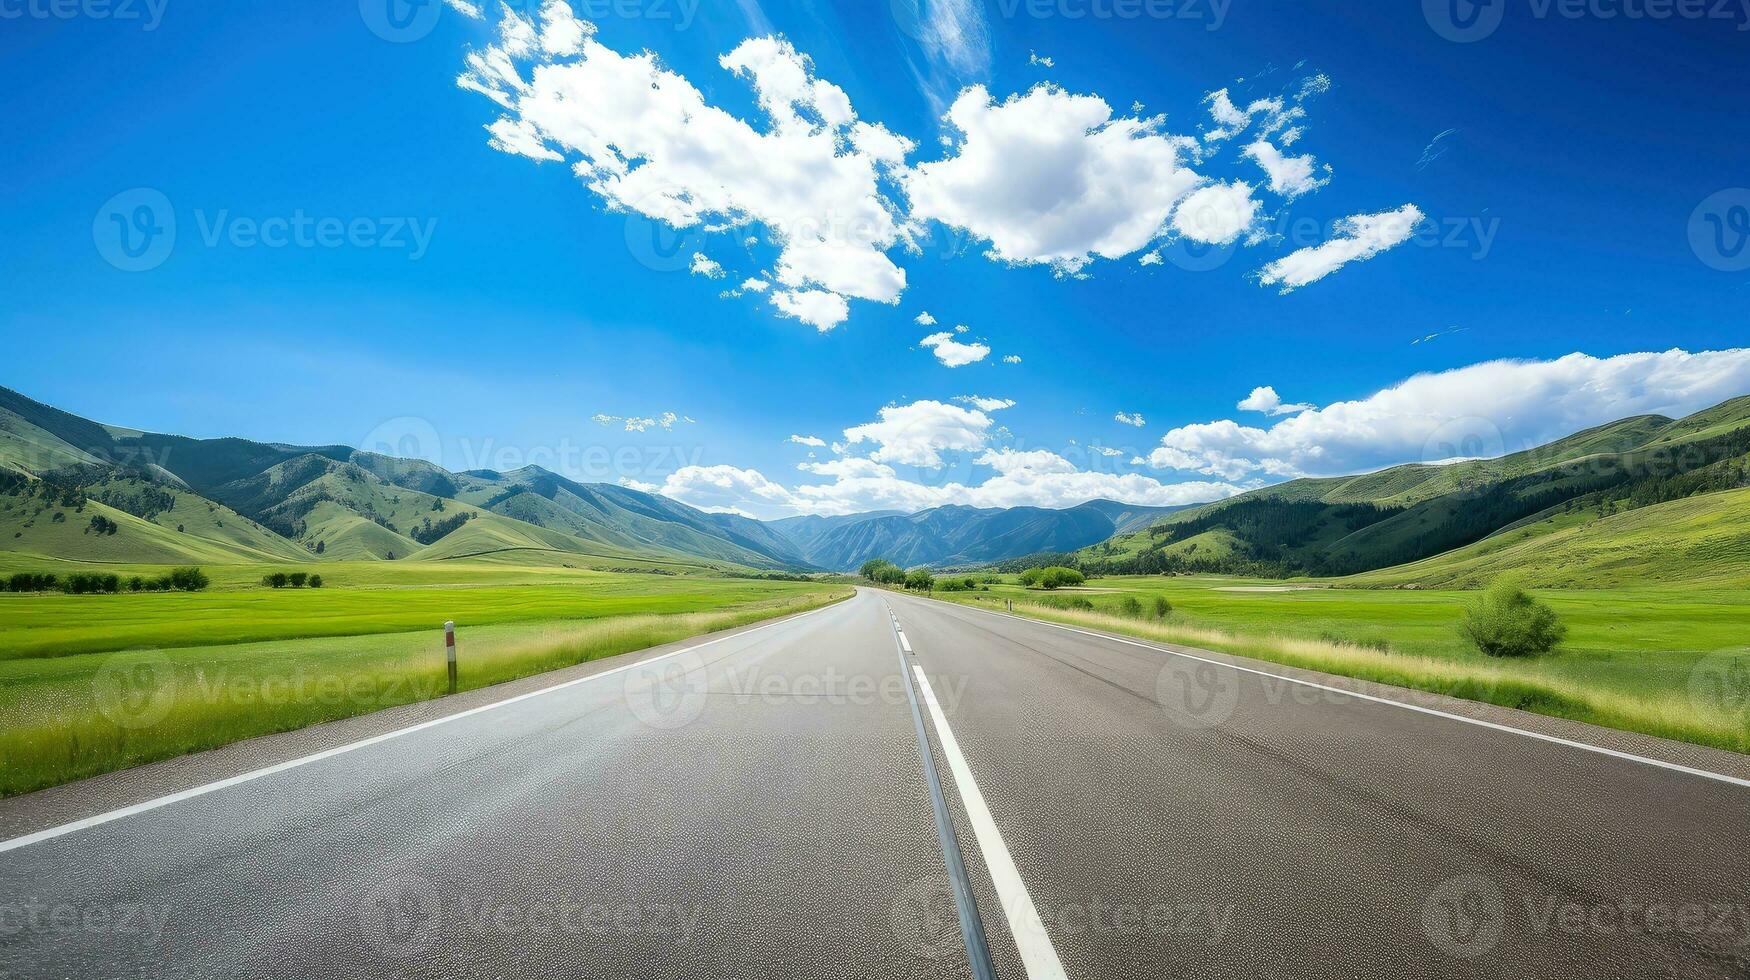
column 315, row 581
column 275, row 580
column 321, row 546
column 1506, row 622
column 920, row 580
column 298, row 579
column 189, row 579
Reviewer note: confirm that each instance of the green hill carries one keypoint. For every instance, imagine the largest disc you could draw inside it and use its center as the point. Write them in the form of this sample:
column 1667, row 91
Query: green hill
column 1407, row 514
column 71, row 526
column 1702, row 540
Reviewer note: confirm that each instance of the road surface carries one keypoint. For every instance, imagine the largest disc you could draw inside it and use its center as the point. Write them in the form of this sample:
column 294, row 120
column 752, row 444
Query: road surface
column 757, row 806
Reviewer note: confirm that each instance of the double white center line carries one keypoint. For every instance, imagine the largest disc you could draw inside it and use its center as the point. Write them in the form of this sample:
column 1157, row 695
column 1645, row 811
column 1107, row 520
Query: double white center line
column 1038, row 955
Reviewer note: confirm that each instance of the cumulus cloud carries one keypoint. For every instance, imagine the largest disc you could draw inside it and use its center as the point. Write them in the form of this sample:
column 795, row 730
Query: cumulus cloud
column 755, row 286
column 1052, row 178
column 925, row 319
column 703, row 265
column 1266, row 400
column 1481, row 410
column 916, row 434
column 984, row 404
column 1134, row 419
column 644, row 139
column 1217, row 214
column 818, row 308
column 635, row 423
column 953, row 353
column 814, row 441
column 1359, row 238
column 1289, row 176
column 1030, row 479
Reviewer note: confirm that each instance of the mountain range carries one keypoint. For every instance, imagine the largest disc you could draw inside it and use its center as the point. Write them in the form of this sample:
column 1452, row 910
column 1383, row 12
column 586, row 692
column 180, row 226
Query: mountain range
column 166, row 498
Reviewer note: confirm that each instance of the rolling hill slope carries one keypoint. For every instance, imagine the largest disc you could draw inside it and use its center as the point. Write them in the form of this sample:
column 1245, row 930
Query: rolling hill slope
column 962, row 535
column 1405, row 514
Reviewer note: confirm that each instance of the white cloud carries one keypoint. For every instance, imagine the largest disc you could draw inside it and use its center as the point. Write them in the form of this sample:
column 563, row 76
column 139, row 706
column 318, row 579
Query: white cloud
column 644, row 139
column 1231, row 119
column 635, row 423
column 816, row 307
column 1266, row 400
column 984, row 404
column 953, row 353
column 1359, row 238
column 703, row 265
column 1480, row 410
column 1011, row 358
column 1050, row 177
column 1134, row 419
column 916, row 434
column 814, row 441
column 1107, row 450
column 1150, row 258
column 925, row 319
column 1038, row 60
column 638, row 485
column 464, row 8
column 755, row 286
column 1289, row 176
column 1217, row 214
column 953, row 32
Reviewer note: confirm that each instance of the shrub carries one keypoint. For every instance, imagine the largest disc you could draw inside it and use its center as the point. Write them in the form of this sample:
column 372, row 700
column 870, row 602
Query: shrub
column 1052, row 577
column 298, row 579
column 920, row 581
column 1162, row 608
column 136, row 584
column 1506, row 622
column 1130, row 606
column 276, row 580
column 189, row 579
column 315, row 581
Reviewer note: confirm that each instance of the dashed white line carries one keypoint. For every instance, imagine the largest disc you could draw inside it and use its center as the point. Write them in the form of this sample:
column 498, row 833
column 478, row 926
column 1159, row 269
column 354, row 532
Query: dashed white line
column 1037, row 954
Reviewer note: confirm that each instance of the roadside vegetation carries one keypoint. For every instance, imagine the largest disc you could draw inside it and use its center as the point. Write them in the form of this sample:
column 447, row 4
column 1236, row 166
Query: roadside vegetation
column 135, row 679
column 1656, row 661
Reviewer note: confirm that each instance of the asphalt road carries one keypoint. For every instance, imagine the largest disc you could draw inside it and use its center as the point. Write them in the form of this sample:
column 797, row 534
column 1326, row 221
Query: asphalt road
column 757, row 807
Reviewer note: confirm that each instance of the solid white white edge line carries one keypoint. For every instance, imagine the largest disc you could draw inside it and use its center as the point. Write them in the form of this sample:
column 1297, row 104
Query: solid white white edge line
column 254, row 774
column 1037, row 954
column 1496, row 726
column 904, row 644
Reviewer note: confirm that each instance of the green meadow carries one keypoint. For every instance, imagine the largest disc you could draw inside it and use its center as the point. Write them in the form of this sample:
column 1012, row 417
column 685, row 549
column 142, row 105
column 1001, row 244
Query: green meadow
column 1643, row 659
column 94, row 683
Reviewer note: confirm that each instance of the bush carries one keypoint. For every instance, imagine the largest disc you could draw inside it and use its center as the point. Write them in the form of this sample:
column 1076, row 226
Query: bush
column 31, row 582
column 1506, row 622
column 315, row 581
column 1052, row 577
column 189, row 579
column 1130, row 606
column 276, row 580
column 920, row 581
column 299, row 578
column 136, row 584
column 1162, row 608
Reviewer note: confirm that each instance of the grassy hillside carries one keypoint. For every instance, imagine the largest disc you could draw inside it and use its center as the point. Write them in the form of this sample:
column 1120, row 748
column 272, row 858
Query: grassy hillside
column 1702, row 540
column 1411, row 514
column 175, row 528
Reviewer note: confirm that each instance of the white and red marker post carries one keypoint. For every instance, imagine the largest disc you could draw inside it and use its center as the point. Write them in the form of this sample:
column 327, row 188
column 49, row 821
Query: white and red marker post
column 450, row 651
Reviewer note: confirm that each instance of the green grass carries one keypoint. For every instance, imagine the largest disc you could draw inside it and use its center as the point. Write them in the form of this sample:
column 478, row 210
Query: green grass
column 1627, row 663
column 358, row 598
column 78, row 715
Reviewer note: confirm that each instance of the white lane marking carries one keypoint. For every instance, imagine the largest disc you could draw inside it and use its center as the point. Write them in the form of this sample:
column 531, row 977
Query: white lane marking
column 1037, row 953
column 254, row 774
column 1437, row 713
column 904, row 644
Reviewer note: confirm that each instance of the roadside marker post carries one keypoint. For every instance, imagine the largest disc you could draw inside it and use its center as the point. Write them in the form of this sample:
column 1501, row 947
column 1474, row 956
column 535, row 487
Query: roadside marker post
column 450, row 651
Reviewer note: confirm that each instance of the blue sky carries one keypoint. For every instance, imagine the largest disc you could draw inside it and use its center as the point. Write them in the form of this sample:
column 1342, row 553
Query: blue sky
column 487, row 307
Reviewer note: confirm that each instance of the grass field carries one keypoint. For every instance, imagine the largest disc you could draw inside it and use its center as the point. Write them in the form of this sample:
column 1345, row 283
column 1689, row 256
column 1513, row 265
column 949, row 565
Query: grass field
column 1644, row 660
column 90, row 684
